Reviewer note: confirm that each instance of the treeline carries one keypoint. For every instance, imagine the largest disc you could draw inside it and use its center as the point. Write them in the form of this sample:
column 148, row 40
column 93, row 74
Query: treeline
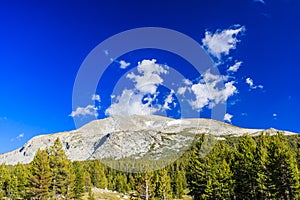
column 263, row 167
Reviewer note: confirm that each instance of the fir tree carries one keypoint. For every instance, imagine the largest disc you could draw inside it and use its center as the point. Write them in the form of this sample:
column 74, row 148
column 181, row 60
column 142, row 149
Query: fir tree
column 262, row 173
column 60, row 169
column 284, row 174
column 98, row 177
column 177, row 180
column 210, row 177
column 4, row 176
column 244, row 168
column 145, row 186
column 163, row 185
column 78, row 185
column 40, row 176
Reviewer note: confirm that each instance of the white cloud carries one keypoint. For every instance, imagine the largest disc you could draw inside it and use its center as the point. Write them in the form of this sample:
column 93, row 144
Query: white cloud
column 20, row 136
column 228, row 117
column 124, row 64
column 130, row 103
column 96, row 97
column 251, row 84
column 168, row 101
column 275, row 115
column 235, row 67
column 249, row 81
column 149, row 76
column 187, row 82
column 83, row 111
column 221, row 42
column 181, row 90
column 208, row 92
column 139, row 100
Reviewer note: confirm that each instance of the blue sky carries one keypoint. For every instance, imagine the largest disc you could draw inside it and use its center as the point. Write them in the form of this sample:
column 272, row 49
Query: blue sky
column 43, row 45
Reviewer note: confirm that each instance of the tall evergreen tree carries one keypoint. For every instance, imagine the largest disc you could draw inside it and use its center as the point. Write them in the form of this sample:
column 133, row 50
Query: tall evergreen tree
column 40, row 176
column 177, row 180
column 262, row 173
column 145, row 186
column 78, row 184
column 4, row 176
column 98, row 177
column 284, row 173
column 210, row 177
column 244, row 168
column 163, row 185
column 60, row 170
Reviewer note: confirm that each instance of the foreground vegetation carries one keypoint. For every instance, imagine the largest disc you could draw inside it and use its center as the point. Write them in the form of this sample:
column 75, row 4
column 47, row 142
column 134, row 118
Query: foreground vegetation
column 263, row 167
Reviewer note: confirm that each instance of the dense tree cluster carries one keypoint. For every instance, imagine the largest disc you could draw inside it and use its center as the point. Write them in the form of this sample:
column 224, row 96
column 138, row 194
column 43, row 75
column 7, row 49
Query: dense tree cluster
column 262, row 167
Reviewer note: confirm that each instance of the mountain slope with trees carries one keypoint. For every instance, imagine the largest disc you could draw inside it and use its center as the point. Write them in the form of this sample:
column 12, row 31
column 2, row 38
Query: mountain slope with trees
column 261, row 167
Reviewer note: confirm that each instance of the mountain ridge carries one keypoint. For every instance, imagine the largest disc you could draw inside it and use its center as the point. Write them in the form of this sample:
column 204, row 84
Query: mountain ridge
column 129, row 136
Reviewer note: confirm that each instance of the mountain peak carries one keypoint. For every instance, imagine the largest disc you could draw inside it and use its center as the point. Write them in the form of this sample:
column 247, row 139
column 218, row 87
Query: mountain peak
column 128, row 136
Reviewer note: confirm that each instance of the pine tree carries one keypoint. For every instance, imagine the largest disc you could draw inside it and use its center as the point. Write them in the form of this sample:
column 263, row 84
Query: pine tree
column 282, row 165
column 98, row 177
column 21, row 172
column 121, row 183
column 210, row 177
column 262, row 174
column 244, row 168
column 163, row 185
column 145, row 186
column 60, row 170
column 40, row 176
column 12, row 187
column 177, row 180
column 196, row 170
column 78, row 185
column 3, row 177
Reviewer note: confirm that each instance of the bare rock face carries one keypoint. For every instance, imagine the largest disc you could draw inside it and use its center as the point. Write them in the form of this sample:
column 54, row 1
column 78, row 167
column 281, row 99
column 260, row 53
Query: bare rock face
column 128, row 136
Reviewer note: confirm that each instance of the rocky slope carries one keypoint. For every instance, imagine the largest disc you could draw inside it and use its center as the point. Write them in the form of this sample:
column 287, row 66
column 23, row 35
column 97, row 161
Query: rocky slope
column 128, row 136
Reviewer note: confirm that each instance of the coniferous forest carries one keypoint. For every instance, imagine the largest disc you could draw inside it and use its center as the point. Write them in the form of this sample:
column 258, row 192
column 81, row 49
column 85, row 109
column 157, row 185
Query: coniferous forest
column 261, row 167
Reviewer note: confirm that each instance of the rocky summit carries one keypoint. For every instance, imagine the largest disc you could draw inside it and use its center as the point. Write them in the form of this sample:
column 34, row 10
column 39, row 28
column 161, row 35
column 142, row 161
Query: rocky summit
column 128, row 136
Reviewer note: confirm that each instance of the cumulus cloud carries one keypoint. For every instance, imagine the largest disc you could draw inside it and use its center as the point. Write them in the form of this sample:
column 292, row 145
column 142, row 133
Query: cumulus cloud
column 221, row 42
column 168, row 100
column 181, row 90
column 235, row 67
column 83, row 111
column 139, row 100
column 148, row 78
column 96, row 97
column 130, row 103
column 208, row 92
column 251, row 84
column 87, row 110
column 124, row 64
column 228, row 117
